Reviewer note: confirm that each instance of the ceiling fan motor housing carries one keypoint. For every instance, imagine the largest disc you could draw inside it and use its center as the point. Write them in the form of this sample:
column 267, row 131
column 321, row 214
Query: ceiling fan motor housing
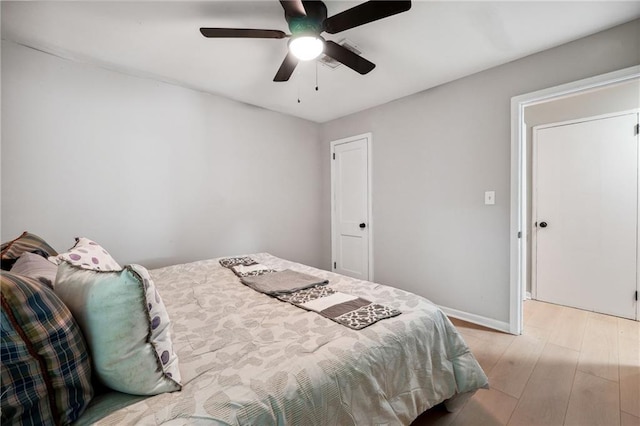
column 310, row 24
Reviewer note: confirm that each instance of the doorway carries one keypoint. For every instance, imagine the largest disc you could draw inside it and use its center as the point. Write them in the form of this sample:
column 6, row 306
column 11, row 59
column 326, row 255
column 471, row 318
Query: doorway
column 520, row 245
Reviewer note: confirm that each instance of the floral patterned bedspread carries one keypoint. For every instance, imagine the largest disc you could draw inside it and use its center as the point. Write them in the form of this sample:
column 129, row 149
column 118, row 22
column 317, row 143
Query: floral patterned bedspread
column 249, row 359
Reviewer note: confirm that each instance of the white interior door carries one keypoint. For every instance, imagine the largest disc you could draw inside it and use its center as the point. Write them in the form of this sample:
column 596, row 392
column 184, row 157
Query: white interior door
column 351, row 222
column 585, row 207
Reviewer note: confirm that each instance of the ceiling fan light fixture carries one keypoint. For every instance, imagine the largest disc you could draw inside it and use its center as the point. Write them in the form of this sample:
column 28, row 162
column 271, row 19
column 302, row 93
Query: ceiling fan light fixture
column 306, row 47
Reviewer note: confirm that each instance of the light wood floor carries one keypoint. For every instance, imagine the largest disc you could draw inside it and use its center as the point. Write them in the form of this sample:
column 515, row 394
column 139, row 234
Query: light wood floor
column 570, row 367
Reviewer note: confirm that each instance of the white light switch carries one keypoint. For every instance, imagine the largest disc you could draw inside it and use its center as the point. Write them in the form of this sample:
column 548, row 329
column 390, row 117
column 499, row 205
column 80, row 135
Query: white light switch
column 490, row 197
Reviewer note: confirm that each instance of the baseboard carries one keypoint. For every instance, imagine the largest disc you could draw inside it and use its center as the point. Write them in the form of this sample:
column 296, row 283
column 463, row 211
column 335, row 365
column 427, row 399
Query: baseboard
column 477, row 319
column 527, row 295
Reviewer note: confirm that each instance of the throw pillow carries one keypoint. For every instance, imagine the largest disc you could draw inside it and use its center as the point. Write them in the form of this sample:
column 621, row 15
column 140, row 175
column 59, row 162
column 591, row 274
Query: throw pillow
column 35, row 266
column 126, row 326
column 46, row 368
column 12, row 250
column 88, row 254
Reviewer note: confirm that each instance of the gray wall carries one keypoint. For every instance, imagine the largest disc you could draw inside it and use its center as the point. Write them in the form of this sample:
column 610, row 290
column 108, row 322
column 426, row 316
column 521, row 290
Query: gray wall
column 161, row 174
column 158, row 174
column 434, row 155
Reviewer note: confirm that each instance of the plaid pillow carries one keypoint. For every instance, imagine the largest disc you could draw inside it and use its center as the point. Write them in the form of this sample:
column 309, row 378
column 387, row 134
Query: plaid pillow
column 46, row 368
column 11, row 251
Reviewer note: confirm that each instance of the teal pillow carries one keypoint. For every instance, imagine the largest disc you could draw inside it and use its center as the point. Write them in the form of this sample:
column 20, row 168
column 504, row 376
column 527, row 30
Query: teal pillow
column 126, row 327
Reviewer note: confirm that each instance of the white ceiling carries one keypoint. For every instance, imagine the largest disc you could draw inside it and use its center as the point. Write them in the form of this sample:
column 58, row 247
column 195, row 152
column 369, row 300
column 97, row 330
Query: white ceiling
column 431, row 44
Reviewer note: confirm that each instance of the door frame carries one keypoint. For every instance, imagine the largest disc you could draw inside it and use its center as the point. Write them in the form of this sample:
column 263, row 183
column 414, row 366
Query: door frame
column 534, row 168
column 368, row 136
column 520, row 164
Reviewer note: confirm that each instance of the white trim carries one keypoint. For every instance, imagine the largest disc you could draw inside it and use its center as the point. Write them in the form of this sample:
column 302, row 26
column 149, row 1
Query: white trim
column 477, row 319
column 369, row 137
column 534, row 213
column 638, row 225
column 527, row 296
column 517, row 255
column 518, row 246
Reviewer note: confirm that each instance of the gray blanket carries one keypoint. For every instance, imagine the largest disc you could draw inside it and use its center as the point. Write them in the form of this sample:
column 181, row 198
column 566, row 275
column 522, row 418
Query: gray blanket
column 281, row 282
column 308, row 292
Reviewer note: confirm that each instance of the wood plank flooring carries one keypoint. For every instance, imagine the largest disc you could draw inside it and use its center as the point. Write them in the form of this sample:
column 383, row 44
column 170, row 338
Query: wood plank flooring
column 569, row 367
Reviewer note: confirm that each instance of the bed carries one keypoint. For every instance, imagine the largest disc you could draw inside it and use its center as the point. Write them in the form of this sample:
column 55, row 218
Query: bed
column 249, row 359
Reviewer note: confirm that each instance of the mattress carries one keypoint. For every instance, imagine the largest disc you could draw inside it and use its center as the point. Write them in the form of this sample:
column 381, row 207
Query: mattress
column 249, row 359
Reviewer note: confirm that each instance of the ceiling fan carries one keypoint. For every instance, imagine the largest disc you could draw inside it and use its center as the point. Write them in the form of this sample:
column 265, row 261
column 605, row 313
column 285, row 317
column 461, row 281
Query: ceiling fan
column 307, row 19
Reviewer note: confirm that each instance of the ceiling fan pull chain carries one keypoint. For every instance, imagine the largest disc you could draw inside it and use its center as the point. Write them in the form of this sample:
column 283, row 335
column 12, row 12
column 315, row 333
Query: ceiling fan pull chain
column 298, row 90
column 316, row 76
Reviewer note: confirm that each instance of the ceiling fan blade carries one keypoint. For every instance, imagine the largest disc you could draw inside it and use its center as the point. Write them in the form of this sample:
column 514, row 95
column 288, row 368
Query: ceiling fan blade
column 241, row 33
column 286, row 69
column 293, row 8
column 347, row 57
column 363, row 14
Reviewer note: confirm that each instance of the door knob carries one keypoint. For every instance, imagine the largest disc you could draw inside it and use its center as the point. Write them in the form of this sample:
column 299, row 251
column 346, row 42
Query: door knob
column 363, row 225
column 543, row 224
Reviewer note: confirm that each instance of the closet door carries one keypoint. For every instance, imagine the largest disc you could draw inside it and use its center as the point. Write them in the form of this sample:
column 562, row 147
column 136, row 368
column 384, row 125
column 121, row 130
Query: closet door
column 586, row 212
column 350, row 196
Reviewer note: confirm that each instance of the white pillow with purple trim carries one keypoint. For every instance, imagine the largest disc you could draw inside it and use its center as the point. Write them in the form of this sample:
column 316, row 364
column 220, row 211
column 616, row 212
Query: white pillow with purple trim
column 88, row 254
